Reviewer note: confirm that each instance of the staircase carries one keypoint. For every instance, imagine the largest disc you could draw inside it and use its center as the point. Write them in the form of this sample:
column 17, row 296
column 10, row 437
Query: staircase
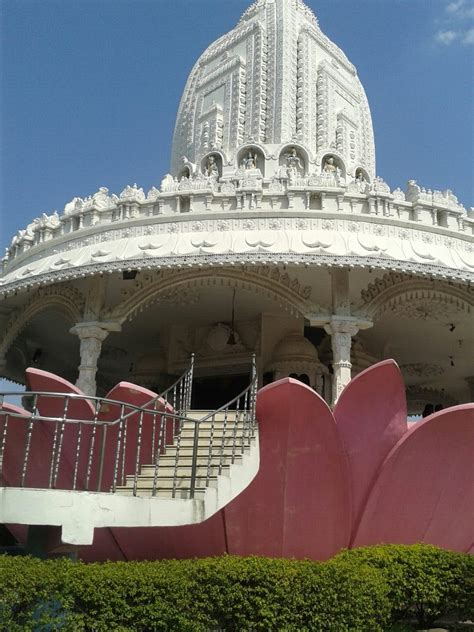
column 227, row 450
column 157, row 464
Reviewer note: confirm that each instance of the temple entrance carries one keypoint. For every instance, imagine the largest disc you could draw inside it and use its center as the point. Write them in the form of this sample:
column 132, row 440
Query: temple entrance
column 210, row 393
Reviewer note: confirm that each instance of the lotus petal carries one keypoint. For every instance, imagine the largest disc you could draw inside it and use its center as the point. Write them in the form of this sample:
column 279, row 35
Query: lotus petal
column 44, row 381
column 153, row 428
column 371, row 416
column 425, row 489
column 299, row 503
column 76, row 442
column 205, row 539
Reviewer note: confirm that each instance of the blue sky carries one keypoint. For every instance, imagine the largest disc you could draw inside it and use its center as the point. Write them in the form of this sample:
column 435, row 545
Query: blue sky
column 90, row 90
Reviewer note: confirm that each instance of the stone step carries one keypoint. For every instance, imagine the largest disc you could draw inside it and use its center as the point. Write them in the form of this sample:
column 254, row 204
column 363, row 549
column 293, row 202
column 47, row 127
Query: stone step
column 183, row 472
column 183, row 493
column 208, row 425
column 187, row 459
column 203, row 450
column 217, row 441
column 187, row 431
column 182, row 482
column 200, row 414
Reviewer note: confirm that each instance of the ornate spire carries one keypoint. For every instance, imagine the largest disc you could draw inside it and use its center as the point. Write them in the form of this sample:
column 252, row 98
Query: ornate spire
column 274, row 80
column 299, row 5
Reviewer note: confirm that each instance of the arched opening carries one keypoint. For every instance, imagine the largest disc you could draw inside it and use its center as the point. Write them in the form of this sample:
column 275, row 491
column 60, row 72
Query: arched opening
column 361, row 175
column 409, row 312
column 220, row 315
column 45, row 343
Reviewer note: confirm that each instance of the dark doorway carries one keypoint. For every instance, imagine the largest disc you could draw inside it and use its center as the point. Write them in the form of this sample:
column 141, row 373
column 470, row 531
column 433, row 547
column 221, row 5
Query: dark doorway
column 210, row 393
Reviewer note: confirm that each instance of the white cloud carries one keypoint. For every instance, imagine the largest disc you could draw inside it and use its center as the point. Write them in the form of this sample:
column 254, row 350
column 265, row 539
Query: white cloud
column 454, row 7
column 455, row 24
column 468, row 37
column 461, row 9
column 446, row 37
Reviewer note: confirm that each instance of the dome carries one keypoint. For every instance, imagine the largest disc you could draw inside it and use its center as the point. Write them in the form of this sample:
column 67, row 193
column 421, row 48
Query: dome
column 295, row 347
column 274, row 80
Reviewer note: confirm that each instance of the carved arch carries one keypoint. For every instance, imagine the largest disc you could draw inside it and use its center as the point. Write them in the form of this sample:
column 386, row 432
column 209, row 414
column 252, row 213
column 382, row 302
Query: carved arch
column 272, row 282
column 396, row 290
column 65, row 299
column 251, row 145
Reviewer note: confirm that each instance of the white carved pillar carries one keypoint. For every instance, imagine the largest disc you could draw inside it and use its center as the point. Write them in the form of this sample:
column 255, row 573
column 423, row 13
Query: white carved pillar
column 341, row 331
column 91, row 336
column 341, row 325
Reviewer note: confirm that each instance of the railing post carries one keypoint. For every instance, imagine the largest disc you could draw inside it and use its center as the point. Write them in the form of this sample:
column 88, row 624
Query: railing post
column 190, row 384
column 194, row 461
column 138, row 455
column 3, row 442
column 102, row 457
column 90, row 458
column 34, row 414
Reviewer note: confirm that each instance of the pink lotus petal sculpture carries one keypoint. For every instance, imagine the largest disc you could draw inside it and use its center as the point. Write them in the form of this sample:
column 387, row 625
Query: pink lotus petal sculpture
column 327, row 481
column 330, row 480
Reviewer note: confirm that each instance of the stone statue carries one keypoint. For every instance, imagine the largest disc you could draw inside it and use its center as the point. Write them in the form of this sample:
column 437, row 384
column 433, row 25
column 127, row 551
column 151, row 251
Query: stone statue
column 250, row 162
column 74, row 206
column 360, row 181
column 101, row 199
column 167, row 184
column 212, row 170
column 330, row 166
column 293, row 163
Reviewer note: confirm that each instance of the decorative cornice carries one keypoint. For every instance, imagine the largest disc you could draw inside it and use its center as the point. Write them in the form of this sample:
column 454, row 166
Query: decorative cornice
column 313, row 238
column 209, row 260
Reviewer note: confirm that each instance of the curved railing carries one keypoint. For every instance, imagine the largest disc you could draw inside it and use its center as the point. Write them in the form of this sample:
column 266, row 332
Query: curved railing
column 106, row 449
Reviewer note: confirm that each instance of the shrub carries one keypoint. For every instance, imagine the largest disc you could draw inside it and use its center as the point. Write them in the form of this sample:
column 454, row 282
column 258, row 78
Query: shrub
column 424, row 581
column 358, row 591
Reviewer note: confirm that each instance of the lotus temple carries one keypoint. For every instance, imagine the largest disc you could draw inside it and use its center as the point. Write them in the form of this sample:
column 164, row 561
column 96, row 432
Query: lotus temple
column 228, row 362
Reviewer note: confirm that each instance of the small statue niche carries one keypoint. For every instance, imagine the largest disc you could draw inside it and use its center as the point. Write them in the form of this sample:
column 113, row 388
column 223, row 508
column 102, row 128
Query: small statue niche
column 293, row 163
column 212, row 167
column 361, row 180
column 251, row 162
column 189, row 169
column 332, row 170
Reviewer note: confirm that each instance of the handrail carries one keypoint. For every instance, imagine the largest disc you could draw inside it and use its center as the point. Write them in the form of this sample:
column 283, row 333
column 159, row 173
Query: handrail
column 250, row 390
column 186, row 376
column 99, row 422
column 106, row 455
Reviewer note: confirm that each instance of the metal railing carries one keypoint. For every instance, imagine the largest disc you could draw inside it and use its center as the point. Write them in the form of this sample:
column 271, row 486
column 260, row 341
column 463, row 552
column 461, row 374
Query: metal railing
column 76, row 442
column 242, row 431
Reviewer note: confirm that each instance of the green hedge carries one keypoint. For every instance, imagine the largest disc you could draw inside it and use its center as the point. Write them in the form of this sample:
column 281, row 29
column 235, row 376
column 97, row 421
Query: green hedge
column 362, row 590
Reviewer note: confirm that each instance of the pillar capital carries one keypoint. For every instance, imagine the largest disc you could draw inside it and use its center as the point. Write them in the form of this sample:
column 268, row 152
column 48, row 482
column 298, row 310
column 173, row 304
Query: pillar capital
column 95, row 329
column 342, row 329
column 350, row 325
column 91, row 335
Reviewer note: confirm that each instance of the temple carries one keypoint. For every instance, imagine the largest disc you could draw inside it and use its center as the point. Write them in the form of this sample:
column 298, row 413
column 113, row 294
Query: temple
column 271, row 250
